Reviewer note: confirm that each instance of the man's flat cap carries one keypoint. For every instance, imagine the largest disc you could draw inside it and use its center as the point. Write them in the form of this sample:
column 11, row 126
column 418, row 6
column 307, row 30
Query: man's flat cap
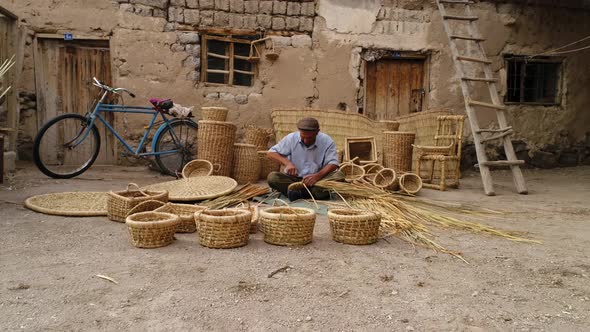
column 308, row 124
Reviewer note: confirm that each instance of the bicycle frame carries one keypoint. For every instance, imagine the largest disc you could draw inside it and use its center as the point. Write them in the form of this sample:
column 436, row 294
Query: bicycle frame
column 110, row 108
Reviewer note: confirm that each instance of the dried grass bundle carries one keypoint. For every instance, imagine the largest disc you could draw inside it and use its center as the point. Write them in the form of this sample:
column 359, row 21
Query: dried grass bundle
column 242, row 194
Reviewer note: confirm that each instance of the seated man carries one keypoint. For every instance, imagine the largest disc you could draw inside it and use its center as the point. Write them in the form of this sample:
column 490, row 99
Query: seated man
column 308, row 156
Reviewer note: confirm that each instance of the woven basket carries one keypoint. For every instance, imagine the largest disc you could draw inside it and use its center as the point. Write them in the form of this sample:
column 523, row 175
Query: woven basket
column 287, row 226
column 354, row 226
column 385, row 179
column 257, row 136
column 372, row 169
column 246, row 163
column 254, row 220
column 197, row 167
column 152, row 229
column 223, row 229
column 120, row 203
column 216, row 144
column 267, row 165
column 186, row 213
column 410, row 183
column 214, row 113
column 387, row 125
column 150, row 205
column 352, row 172
column 397, row 150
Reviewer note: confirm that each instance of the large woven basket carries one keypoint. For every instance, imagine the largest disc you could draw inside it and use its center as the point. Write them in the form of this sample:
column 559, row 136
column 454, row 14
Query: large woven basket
column 223, row 229
column 257, row 136
column 197, row 167
column 267, row 165
column 397, row 150
column 214, row 113
column 352, row 172
column 354, row 226
column 216, row 144
column 186, row 213
column 385, row 179
column 152, row 229
column 410, row 183
column 246, row 163
column 287, row 226
column 120, row 203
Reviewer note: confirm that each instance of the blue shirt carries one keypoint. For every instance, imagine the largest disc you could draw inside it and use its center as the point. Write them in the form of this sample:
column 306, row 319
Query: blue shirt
column 308, row 159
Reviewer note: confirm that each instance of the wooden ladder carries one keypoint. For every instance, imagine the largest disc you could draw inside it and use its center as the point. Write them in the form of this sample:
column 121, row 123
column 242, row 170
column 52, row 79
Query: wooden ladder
column 504, row 131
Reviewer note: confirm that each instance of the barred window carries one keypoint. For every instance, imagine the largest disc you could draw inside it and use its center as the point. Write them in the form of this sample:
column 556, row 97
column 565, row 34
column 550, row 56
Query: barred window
column 533, row 81
column 227, row 60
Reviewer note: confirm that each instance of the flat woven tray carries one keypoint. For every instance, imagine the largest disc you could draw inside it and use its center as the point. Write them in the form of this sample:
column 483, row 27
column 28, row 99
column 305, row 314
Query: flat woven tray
column 76, row 204
column 196, row 188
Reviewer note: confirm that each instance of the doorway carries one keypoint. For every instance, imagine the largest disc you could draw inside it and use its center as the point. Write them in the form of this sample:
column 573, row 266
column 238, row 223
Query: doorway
column 394, row 87
column 63, row 75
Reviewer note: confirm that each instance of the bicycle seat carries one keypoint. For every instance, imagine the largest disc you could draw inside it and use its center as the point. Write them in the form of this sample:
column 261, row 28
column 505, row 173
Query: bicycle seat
column 162, row 105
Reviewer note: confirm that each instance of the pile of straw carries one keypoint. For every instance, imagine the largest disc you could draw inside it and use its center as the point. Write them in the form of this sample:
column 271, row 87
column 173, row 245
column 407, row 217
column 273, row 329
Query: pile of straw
column 240, row 195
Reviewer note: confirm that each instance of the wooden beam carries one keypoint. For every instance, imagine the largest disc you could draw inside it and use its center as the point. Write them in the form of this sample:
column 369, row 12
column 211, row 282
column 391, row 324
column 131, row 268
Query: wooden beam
column 8, row 13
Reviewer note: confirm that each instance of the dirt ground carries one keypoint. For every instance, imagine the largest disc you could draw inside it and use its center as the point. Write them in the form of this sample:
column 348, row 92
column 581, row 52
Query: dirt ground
column 48, row 268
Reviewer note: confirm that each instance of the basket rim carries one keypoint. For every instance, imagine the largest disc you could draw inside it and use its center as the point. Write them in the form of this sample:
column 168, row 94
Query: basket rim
column 171, row 219
column 335, row 212
column 236, row 212
column 269, row 212
column 399, row 132
column 152, row 193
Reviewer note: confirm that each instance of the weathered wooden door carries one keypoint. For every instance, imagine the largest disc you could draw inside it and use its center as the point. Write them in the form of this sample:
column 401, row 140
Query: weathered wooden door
column 64, row 71
column 394, row 88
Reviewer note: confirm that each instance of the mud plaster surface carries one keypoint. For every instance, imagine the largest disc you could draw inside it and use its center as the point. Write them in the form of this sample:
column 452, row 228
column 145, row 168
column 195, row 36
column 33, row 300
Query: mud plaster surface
column 48, row 266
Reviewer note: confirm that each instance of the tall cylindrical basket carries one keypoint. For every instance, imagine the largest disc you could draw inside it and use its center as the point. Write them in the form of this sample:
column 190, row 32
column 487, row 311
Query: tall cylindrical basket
column 397, row 150
column 214, row 113
column 216, row 144
column 257, row 136
column 246, row 163
column 267, row 165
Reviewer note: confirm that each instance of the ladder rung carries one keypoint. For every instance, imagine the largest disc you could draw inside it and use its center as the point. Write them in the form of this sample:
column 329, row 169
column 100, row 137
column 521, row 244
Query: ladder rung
column 460, row 18
column 493, row 130
column 502, row 163
column 488, row 105
column 477, row 39
column 456, row 2
column 479, row 79
column 497, row 136
column 467, row 58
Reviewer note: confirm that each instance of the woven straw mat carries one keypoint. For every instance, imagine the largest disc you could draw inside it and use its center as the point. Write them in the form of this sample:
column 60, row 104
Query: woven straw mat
column 196, row 188
column 79, row 204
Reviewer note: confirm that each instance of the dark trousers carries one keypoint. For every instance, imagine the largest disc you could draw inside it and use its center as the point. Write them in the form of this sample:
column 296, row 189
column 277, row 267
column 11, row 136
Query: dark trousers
column 281, row 181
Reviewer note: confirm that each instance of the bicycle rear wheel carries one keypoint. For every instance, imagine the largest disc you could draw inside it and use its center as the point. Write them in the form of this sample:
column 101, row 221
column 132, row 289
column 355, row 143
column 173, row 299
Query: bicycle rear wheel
column 63, row 148
column 180, row 136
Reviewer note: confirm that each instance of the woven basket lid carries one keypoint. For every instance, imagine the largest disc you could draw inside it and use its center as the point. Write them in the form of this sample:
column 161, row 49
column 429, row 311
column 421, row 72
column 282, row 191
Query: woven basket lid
column 80, row 204
column 196, row 188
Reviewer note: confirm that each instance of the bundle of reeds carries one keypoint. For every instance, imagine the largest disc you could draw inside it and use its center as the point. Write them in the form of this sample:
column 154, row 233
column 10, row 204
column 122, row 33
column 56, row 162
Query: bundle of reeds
column 242, row 194
column 4, row 67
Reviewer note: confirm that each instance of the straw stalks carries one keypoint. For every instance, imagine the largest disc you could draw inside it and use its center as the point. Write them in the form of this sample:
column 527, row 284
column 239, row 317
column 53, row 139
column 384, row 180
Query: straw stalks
column 4, row 68
column 240, row 195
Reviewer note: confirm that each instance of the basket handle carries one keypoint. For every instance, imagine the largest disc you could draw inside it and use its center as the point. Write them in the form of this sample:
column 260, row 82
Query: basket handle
column 216, row 167
column 136, row 188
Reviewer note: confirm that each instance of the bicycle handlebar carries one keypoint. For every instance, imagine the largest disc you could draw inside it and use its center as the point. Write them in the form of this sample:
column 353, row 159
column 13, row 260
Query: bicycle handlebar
column 109, row 89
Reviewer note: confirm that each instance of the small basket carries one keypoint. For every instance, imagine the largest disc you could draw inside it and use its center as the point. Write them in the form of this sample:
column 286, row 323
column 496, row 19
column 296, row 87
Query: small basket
column 246, row 163
column 197, row 167
column 257, row 136
column 186, row 213
column 267, row 165
column 410, row 183
column 120, row 203
column 352, row 172
column 223, row 229
column 214, row 113
column 152, row 229
column 385, row 179
column 287, row 226
column 354, row 226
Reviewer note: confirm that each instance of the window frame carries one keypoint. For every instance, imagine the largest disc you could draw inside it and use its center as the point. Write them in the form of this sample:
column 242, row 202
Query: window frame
column 560, row 61
column 205, row 54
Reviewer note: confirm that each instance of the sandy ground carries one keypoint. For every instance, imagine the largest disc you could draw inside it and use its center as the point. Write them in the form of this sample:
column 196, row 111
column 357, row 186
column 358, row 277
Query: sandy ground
column 48, row 268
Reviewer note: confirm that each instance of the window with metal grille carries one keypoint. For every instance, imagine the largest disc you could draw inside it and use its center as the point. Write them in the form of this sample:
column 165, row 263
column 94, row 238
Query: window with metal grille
column 228, row 60
column 533, row 81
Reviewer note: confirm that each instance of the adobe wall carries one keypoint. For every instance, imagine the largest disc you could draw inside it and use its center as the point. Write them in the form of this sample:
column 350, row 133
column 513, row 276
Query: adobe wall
column 155, row 49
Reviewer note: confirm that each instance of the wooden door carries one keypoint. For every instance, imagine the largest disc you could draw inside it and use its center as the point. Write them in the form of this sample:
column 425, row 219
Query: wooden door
column 394, row 88
column 64, row 71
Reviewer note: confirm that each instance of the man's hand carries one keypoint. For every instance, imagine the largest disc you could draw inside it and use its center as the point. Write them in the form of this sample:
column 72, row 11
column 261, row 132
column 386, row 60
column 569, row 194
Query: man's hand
column 290, row 169
column 311, row 179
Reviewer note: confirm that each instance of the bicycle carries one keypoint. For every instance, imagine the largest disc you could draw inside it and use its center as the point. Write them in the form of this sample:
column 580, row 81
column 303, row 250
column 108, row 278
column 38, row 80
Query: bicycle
column 77, row 140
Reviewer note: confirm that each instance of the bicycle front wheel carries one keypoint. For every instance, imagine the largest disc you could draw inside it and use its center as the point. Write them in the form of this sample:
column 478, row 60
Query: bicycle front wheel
column 176, row 145
column 66, row 147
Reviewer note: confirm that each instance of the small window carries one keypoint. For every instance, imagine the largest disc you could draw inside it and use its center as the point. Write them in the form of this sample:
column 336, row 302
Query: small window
column 228, row 60
column 533, row 81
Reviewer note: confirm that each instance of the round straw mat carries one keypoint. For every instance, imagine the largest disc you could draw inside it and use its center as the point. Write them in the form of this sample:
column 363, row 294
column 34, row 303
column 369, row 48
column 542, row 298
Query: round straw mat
column 75, row 204
column 196, row 188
